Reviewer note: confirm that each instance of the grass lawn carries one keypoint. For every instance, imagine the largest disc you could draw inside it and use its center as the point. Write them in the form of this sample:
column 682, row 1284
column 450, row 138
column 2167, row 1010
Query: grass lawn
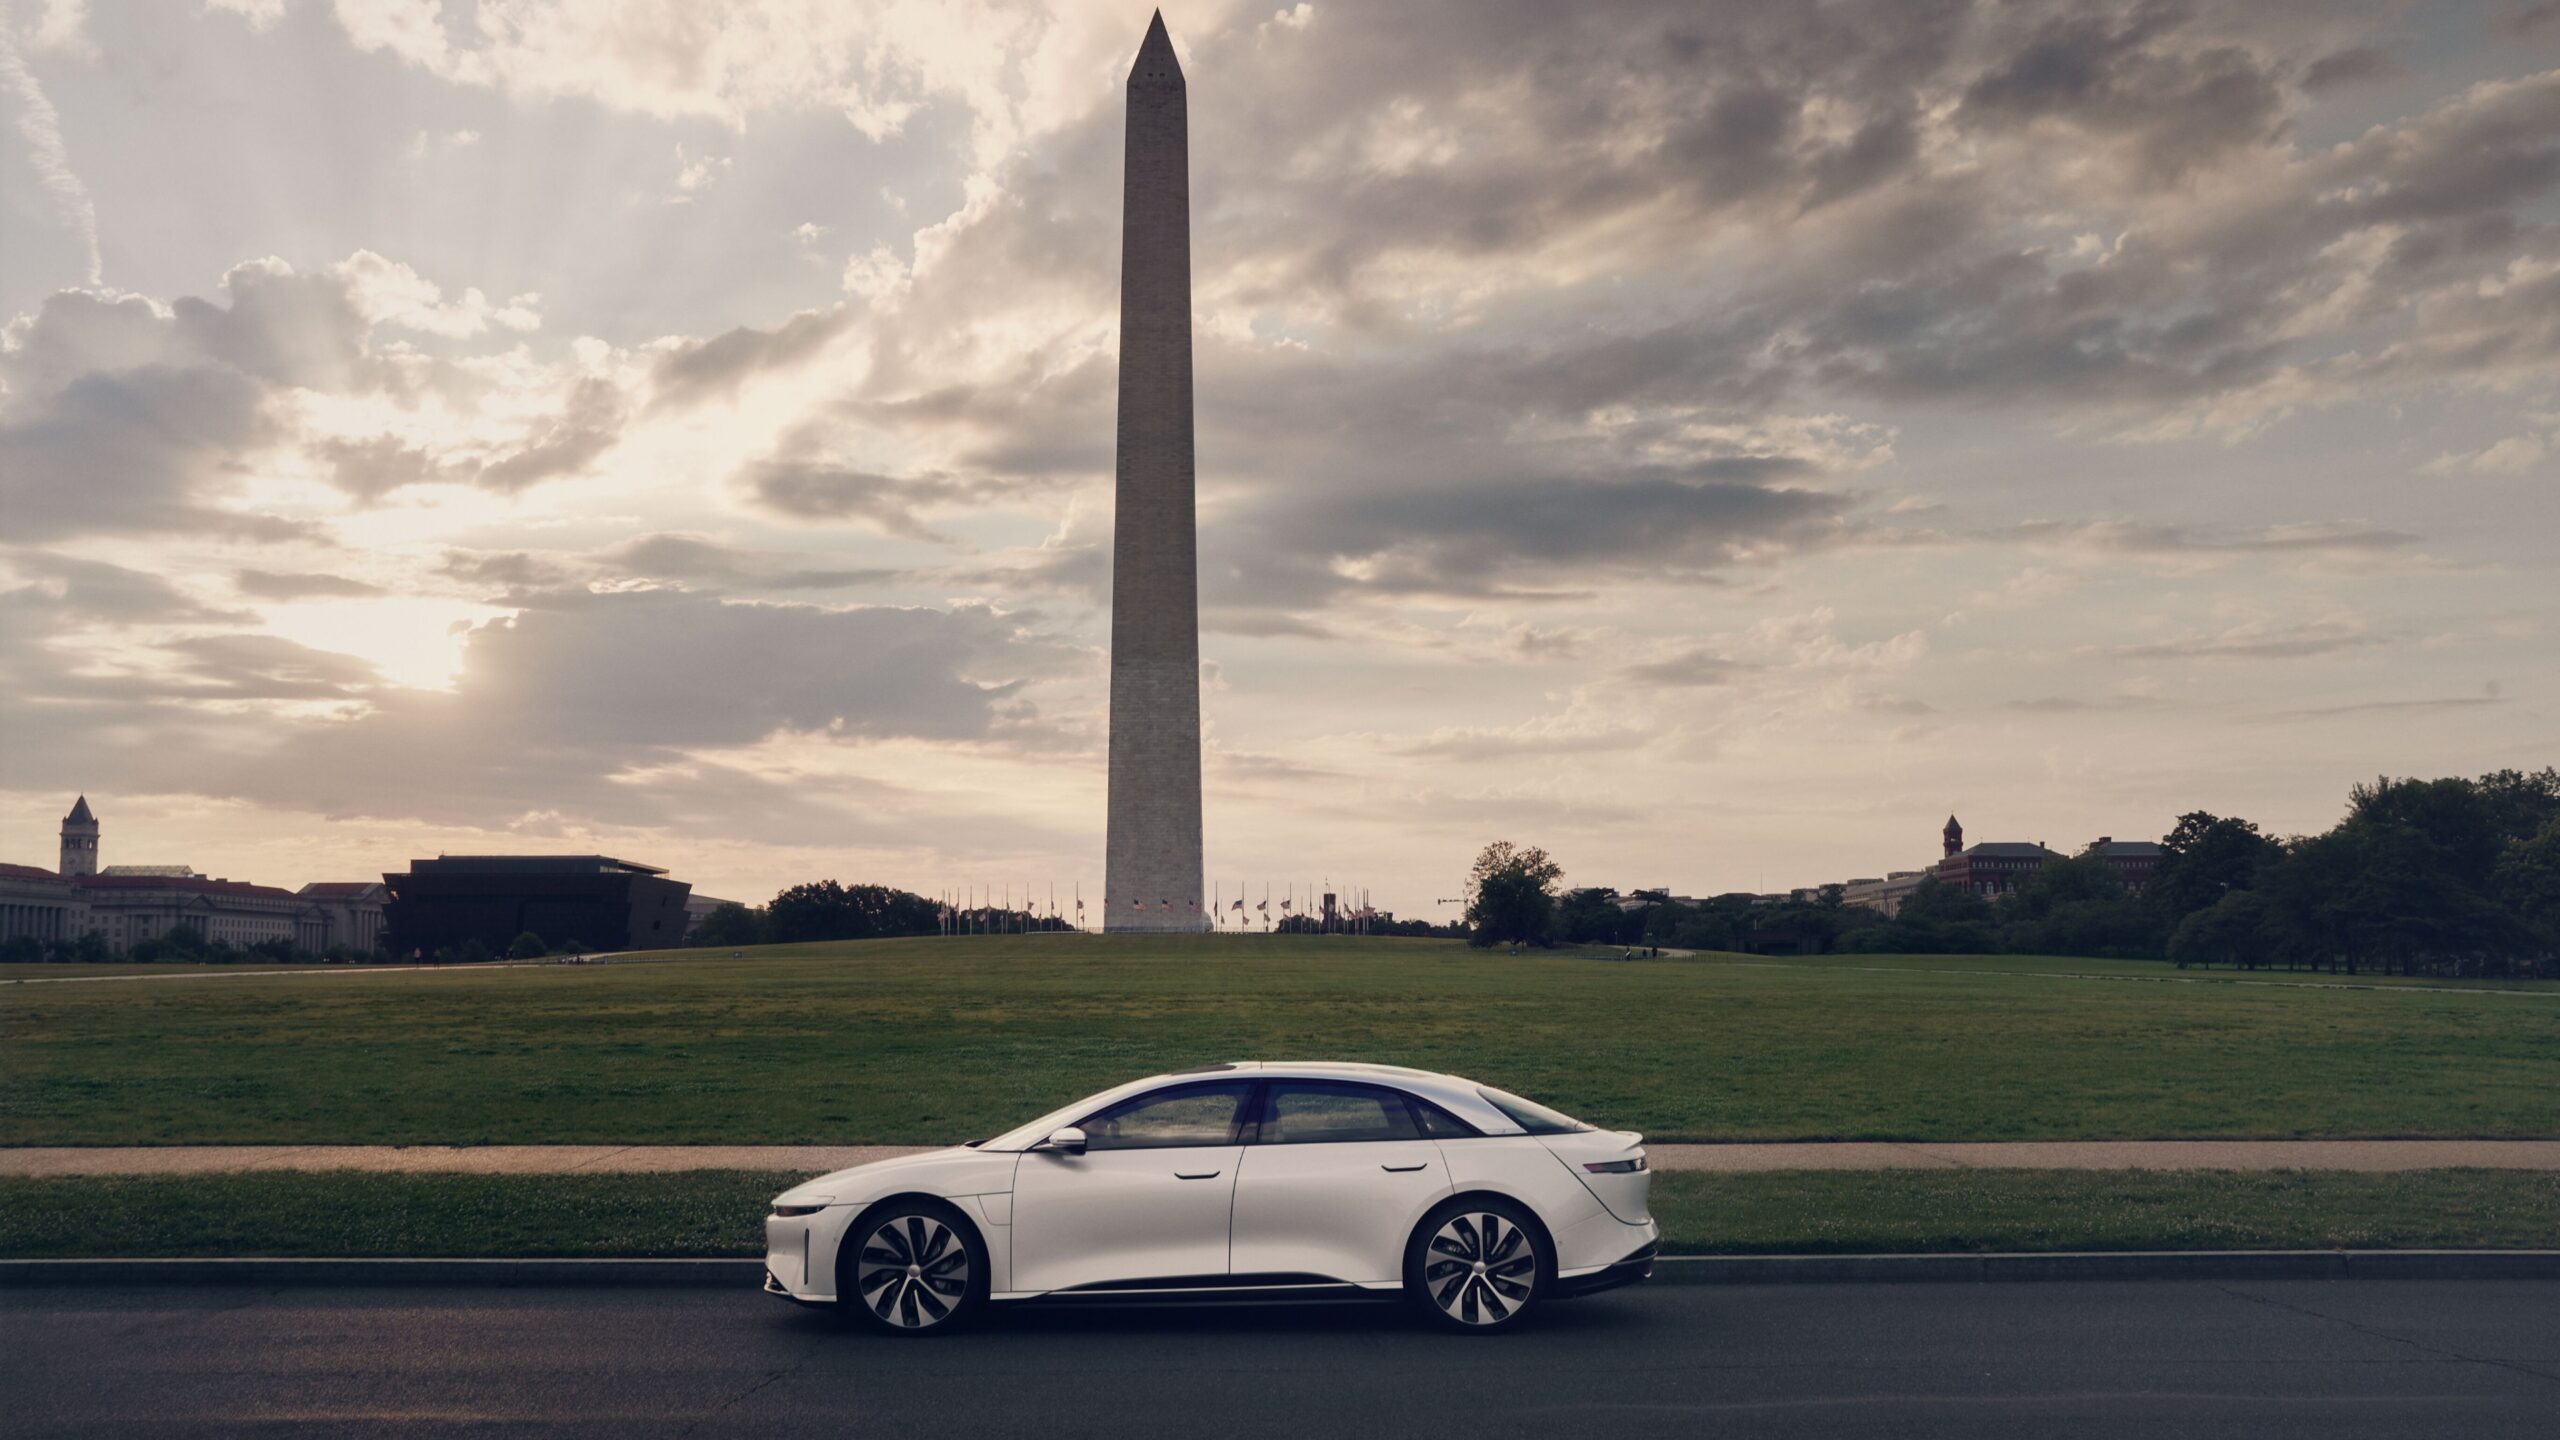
column 720, row 1212
column 2151, row 971
column 40, row 971
column 932, row 1041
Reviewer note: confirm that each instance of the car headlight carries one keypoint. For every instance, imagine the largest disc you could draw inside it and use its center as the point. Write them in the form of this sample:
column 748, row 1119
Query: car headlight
column 1614, row 1167
column 785, row 1212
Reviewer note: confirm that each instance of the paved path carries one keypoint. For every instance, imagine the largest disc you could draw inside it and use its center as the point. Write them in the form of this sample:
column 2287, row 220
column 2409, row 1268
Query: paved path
column 2367, row 1155
column 2267, row 1360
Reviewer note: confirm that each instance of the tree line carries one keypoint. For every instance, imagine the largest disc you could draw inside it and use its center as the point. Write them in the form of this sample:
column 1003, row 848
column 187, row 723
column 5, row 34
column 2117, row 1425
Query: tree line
column 827, row 910
column 2447, row 877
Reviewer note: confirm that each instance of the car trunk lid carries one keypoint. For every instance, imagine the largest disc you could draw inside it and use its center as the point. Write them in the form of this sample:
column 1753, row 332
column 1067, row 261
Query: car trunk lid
column 1612, row 1165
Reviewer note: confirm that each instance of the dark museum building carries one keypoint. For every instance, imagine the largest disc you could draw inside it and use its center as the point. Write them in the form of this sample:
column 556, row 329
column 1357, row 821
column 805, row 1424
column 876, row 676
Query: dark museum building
column 595, row 901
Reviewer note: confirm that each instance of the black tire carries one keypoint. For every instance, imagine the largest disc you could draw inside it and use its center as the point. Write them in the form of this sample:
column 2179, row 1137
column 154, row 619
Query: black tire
column 1461, row 1284
column 912, row 1268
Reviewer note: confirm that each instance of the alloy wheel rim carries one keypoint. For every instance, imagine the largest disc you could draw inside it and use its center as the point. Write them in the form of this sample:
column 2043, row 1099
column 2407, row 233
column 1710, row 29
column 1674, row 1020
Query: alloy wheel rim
column 1480, row 1268
column 912, row 1272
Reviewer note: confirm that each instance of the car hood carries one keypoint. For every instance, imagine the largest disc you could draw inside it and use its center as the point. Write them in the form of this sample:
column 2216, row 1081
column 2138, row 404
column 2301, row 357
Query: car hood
column 956, row 1171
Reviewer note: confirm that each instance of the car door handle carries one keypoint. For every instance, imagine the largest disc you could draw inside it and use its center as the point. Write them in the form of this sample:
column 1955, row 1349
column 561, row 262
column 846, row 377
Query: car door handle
column 1406, row 1169
column 1202, row 1175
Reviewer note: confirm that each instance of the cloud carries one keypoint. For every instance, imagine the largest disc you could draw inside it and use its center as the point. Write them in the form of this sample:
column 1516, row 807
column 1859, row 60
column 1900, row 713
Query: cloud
column 714, row 369
column 691, row 557
column 140, row 452
column 390, row 293
column 2390, row 707
column 62, row 589
column 267, row 667
column 261, row 14
column 280, row 585
column 2357, row 63
column 1688, row 669
column 588, row 424
column 605, row 706
column 818, row 491
column 40, row 126
column 2260, row 640
column 2120, row 78
column 2137, row 538
column 517, row 571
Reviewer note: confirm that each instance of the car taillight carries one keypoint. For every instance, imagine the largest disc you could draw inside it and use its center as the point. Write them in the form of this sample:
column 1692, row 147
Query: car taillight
column 1614, row 1167
column 786, row 1212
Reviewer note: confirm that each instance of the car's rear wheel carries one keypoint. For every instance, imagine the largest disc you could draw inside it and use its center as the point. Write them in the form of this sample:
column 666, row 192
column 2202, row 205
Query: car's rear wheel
column 912, row 1267
column 1478, row 1264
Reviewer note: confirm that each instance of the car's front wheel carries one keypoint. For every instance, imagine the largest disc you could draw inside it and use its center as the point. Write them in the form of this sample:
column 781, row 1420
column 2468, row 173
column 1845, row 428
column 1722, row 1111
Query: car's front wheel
column 1477, row 1264
column 912, row 1267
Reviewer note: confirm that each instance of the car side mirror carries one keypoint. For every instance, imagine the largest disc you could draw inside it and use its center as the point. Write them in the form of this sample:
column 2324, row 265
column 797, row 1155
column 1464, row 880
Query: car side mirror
column 1067, row 1141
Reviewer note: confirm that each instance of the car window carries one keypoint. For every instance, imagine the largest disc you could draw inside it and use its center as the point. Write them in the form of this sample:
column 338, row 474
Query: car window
column 1529, row 1115
column 1439, row 1124
column 1315, row 1113
column 1188, row 1115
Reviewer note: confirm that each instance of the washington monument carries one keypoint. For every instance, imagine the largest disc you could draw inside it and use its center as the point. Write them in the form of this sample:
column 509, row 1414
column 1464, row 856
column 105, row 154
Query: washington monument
column 1151, row 873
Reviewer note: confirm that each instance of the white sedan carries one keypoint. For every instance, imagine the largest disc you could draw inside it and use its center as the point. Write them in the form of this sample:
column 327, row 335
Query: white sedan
column 1252, row 1180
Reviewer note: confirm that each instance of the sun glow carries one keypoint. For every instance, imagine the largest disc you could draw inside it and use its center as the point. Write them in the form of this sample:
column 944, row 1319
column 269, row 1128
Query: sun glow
column 416, row 643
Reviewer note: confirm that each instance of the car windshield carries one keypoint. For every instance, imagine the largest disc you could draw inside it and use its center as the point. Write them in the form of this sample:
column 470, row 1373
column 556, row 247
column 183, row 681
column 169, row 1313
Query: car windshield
column 1529, row 1115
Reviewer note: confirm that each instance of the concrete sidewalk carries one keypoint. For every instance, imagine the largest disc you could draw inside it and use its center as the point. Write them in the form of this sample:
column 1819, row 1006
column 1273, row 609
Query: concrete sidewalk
column 2363, row 1155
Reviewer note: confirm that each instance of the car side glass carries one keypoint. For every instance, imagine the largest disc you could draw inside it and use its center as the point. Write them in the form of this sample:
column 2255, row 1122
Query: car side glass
column 1438, row 1124
column 1329, row 1112
column 1167, row 1119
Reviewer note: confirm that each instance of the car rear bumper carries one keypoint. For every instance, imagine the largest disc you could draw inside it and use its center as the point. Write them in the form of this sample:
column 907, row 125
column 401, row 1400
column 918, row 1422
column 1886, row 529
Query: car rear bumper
column 1633, row 1270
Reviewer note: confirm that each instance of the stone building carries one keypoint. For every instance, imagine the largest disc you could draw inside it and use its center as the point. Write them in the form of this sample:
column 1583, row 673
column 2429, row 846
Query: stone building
column 1883, row 894
column 79, row 840
column 126, row 910
column 125, row 905
column 37, row 904
column 351, row 912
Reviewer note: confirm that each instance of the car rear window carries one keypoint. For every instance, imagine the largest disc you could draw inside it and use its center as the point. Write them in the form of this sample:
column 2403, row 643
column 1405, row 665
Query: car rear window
column 1529, row 1115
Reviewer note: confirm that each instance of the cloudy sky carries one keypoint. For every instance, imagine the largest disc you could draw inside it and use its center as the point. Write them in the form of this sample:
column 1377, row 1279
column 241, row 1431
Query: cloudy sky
column 1710, row 440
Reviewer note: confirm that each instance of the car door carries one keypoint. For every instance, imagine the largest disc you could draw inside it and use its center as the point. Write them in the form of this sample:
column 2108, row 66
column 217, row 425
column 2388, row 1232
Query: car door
column 1149, row 1198
column 1334, row 1181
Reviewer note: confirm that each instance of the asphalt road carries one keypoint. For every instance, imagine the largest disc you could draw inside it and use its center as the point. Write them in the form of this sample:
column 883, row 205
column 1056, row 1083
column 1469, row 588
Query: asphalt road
column 2331, row 1359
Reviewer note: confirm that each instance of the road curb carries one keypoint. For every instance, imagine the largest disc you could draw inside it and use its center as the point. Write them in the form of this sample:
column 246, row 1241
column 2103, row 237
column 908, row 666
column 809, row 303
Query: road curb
column 333, row 1271
column 1669, row 1270
column 2110, row 1265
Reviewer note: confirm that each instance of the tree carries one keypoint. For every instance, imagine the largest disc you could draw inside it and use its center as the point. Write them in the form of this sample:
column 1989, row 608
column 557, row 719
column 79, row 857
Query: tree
column 1511, row 895
column 1935, row 902
column 2451, row 813
column 1935, row 919
column 527, row 946
column 2078, row 906
column 2231, row 931
column 2202, row 858
column 829, row 911
column 1590, row 916
column 730, row 925
column 2528, row 877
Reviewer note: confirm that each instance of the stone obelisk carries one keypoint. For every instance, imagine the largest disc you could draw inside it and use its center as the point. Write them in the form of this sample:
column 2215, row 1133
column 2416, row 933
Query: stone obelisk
column 1151, row 873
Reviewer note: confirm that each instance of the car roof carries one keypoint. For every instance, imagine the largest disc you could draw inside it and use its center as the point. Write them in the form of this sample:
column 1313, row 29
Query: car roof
column 1454, row 1093
column 1451, row 1092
